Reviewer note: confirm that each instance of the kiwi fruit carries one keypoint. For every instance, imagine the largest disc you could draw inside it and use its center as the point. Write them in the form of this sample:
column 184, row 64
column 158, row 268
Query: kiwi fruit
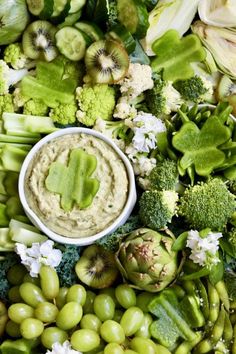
column 38, row 41
column 226, row 87
column 96, row 267
column 106, row 61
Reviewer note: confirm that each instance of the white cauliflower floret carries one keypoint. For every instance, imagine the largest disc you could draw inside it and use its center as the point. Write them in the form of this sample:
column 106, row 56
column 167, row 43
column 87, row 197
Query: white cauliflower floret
column 173, row 98
column 124, row 110
column 142, row 164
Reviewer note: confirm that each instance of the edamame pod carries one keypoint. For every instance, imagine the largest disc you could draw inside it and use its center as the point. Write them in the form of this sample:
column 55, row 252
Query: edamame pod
column 204, row 298
column 49, row 282
column 223, row 294
column 228, row 329
column 214, row 303
column 186, row 346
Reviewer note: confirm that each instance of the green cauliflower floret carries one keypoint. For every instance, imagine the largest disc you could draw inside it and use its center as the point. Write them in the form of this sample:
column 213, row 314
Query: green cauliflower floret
column 9, row 77
column 15, row 57
column 6, row 103
column 156, row 208
column 66, row 268
column 35, row 107
column 196, row 89
column 207, row 205
column 163, row 98
column 19, row 99
column 64, row 113
column 95, row 102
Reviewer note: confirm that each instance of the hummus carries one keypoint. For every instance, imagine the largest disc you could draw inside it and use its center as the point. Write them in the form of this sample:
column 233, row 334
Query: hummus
column 107, row 204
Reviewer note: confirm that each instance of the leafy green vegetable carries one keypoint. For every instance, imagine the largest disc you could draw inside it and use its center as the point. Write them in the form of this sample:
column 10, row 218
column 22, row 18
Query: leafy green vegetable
column 66, row 268
column 9, row 260
column 174, row 55
column 74, row 183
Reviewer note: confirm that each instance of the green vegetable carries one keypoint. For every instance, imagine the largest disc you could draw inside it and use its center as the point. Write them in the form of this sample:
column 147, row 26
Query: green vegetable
column 9, row 260
column 175, row 14
column 64, row 113
column 146, row 260
column 66, row 268
column 14, row 18
column 185, row 51
column 19, row 346
column 217, row 13
column 112, row 13
column 196, row 89
column 207, row 205
column 35, row 107
column 156, row 208
column 112, row 129
column 15, row 57
column 24, row 233
column 74, row 183
column 95, row 102
column 6, row 103
column 9, row 77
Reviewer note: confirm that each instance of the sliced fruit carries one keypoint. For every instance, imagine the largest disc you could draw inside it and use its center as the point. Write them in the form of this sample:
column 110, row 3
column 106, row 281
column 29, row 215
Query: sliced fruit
column 96, row 267
column 71, row 43
column 106, row 61
column 61, row 10
column 91, row 29
column 121, row 34
column 76, row 5
column 38, row 41
column 71, row 19
column 226, row 87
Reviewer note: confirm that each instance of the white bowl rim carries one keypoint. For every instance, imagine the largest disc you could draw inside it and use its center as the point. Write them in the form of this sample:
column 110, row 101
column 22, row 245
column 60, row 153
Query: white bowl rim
column 80, row 241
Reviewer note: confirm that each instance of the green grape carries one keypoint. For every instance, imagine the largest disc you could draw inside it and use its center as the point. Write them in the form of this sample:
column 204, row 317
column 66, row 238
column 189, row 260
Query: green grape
column 46, row 312
column 98, row 349
column 143, row 331
column 131, row 320
column 76, row 293
column 143, row 345
column 52, row 335
column 117, row 315
column 85, row 340
column 28, row 279
column 31, row 328
column 112, row 332
column 104, row 307
column 111, row 292
column 69, row 316
column 90, row 321
column 14, row 294
column 31, row 294
column 49, row 282
column 19, row 312
column 125, row 296
column 143, row 300
column 113, row 348
column 61, row 297
column 13, row 329
column 129, row 351
column 16, row 274
column 88, row 306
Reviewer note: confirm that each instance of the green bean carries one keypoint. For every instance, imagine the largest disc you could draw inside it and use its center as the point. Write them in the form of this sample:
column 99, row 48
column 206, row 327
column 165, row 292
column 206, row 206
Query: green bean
column 223, row 294
column 228, row 329
column 204, row 298
column 214, row 303
column 186, row 346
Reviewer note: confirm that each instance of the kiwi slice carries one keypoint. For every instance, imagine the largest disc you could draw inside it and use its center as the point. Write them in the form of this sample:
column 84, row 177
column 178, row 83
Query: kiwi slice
column 38, row 41
column 96, row 267
column 225, row 88
column 106, row 61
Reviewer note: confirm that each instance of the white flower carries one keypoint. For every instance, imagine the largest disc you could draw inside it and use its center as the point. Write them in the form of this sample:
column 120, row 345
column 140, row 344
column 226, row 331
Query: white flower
column 64, row 348
column 173, row 98
column 38, row 254
column 203, row 249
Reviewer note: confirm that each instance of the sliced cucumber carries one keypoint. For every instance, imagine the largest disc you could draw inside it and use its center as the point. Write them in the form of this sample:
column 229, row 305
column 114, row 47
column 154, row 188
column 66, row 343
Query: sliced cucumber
column 91, row 29
column 60, row 12
column 71, row 43
column 122, row 35
column 41, row 8
column 87, row 38
column 133, row 15
column 47, row 11
column 76, row 5
column 71, row 19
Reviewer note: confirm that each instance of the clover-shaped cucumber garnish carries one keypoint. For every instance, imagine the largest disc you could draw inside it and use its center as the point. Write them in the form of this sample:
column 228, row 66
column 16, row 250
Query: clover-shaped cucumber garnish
column 74, row 182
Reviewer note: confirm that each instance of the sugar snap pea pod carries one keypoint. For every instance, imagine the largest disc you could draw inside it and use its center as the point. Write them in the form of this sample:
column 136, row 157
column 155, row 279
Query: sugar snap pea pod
column 186, row 346
column 204, row 298
column 223, row 294
column 234, row 341
column 214, row 303
column 228, row 329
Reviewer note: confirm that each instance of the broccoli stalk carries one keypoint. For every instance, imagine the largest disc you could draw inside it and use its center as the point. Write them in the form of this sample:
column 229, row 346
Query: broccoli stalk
column 9, row 77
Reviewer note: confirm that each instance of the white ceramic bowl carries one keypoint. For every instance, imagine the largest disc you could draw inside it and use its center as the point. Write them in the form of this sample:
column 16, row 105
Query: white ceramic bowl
column 80, row 241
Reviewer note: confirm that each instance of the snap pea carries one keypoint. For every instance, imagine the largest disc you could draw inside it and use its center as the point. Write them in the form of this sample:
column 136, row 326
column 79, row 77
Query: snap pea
column 214, row 303
column 204, row 298
column 186, row 346
column 223, row 294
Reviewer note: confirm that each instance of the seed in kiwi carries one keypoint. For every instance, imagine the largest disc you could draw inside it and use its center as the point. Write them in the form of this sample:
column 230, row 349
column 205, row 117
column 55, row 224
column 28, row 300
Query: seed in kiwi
column 96, row 267
column 38, row 41
column 106, row 61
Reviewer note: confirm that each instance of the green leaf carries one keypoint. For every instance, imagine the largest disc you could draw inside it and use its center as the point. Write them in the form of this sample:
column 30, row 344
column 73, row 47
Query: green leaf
column 73, row 182
column 174, row 55
column 200, row 146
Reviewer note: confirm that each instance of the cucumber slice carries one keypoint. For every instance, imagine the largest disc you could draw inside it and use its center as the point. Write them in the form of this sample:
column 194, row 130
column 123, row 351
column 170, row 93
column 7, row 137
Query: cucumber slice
column 71, row 19
column 35, row 7
column 47, row 11
column 133, row 15
column 121, row 34
column 91, row 29
column 76, row 5
column 60, row 12
column 71, row 43
column 87, row 38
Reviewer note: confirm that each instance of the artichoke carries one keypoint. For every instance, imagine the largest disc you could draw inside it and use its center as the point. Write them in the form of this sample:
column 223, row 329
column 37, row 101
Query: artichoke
column 146, row 260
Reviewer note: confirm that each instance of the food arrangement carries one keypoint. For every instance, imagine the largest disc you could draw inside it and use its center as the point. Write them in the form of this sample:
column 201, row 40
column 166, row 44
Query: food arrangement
column 158, row 79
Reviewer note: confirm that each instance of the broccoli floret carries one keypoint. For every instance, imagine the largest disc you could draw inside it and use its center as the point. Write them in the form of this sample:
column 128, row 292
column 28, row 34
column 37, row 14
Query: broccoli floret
column 35, row 107
column 112, row 13
column 163, row 98
column 111, row 242
column 95, row 102
column 9, row 77
column 15, row 57
column 9, row 260
column 6, row 103
column 112, row 129
column 207, row 205
column 232, row 237
column 66, row 268
column 156, row 208
column 164, row 176
column 64, row 113
column 195, row 89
